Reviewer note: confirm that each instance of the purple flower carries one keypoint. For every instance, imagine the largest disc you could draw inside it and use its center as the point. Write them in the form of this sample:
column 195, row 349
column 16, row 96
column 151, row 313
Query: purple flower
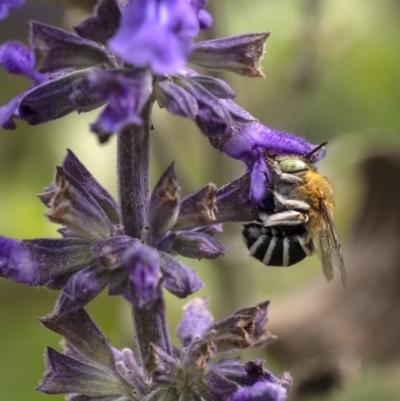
column 88, row 365
column 94, row 253
column 6, row 5
column 89, row 368
column 17, row 59
column 202, row 340
column 65, row 60
column 124, row 91
column 15, row 261
column 250, row 140
column 241, row 54
column 145, row 38
column 142, row 264
column 204, row 17
column 156, row 33
column 261, row 391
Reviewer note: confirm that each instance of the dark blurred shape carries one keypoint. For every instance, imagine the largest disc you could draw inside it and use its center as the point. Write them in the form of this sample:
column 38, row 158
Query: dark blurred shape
column 324, row 332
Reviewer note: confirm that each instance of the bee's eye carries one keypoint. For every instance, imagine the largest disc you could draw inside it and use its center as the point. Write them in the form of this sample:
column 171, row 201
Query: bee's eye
column 293, row 166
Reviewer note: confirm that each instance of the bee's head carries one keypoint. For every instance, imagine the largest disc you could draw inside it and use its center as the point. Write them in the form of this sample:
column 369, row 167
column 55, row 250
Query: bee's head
column 298, row 165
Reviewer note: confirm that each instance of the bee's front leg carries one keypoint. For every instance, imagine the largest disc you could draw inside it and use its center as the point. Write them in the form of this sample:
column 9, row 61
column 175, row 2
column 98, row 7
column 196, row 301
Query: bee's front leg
column 287, row 218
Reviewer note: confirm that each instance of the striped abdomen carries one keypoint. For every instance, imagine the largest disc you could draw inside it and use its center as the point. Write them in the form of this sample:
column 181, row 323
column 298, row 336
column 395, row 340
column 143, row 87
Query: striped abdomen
column 277, row 246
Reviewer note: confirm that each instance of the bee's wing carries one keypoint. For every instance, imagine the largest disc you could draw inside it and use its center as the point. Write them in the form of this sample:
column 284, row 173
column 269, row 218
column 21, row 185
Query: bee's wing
column 331, row 252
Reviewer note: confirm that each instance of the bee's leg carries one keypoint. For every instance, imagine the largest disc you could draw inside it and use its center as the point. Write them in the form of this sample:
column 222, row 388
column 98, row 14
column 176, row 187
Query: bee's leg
column 287, row 178
column 286, row 218
column 282, row 204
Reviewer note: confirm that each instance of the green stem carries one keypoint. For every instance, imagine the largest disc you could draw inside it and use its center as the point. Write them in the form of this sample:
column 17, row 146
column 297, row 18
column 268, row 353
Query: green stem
column 133, row 186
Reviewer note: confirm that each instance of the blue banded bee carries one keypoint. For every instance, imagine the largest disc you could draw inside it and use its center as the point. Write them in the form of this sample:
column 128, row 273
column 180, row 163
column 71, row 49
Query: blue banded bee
column 301, row 222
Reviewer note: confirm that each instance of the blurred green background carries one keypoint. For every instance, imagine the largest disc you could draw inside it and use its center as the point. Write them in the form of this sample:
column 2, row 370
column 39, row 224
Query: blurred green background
column 332, row 73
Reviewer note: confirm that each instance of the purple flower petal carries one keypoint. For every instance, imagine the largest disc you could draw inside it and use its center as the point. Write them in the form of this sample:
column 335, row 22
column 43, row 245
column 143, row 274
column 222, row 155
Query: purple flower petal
column 197, row 245
column 125, row 91
column 103, row 25
column 195, row 322
column 108, row 253
column 16, row 262
column 197, row 209
column 178, row 279
column 176, row 99
column 51, row 99
column 57, row 49
column 204, row 17
column 10, row 111
column 213, row 118
column 18, row 59
column 248, row 140
column 259, row 189
column 233, row 201
column 164, row 203
column 58, row 256
column 82, row 334
column 261, row 335
column 118, row 282
column 216, row 86
column 142, row 264
column 156, row 33
column 75, row 169
column 234, row 331
column 238, row 54
column 161, row 366
column 68, row 375
column 219, row 387
column 261, row 391
column 5, row 5
column 81, row 288
column 75, row 208
column 257, row 373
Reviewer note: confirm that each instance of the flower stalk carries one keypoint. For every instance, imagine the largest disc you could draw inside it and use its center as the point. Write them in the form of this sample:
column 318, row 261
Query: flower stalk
column 133, row 169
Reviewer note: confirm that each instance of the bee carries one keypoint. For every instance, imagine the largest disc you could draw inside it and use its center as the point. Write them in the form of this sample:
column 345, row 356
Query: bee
column 302, row 218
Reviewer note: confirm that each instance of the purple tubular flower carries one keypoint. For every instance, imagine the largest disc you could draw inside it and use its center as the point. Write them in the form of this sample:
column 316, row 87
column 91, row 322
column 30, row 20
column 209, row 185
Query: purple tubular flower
column 197, row 245
column 250, row 140
column 241, row 54
column 57, row 49
column 58, row 258
column 5, row 5
column 164, row 203
column 87, row 367
column 18, row 59
column 195, row 322
column 156, row 33
column 74, row 168
column 16, row 262
column 103, row 25
column 125, row 91
column 204, row 17
column 261, row 391
column 178, row 279
column 142, row 264
column 7, row 113
column 81, row 288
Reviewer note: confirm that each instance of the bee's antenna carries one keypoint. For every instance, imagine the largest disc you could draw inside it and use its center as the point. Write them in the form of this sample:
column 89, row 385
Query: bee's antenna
column 315, row 150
